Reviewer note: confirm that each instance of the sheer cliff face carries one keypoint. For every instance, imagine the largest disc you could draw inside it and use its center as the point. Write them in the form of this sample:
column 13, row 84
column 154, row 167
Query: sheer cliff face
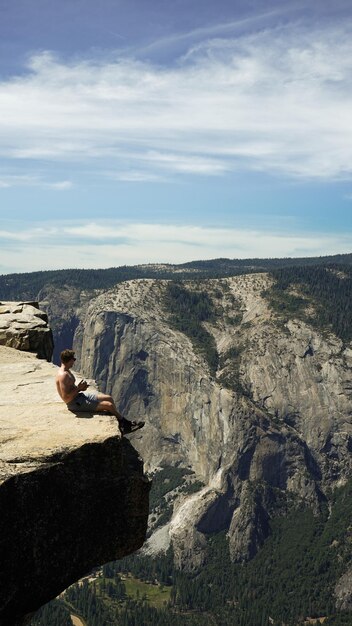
column 283, row 427
column 153, row 372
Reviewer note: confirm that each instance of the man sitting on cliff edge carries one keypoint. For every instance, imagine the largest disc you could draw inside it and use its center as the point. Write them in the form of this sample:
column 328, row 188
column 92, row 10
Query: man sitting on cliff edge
column 79, row 400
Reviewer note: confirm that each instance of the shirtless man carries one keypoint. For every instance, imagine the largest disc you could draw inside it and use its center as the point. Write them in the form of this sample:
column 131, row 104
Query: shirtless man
column 78, row 399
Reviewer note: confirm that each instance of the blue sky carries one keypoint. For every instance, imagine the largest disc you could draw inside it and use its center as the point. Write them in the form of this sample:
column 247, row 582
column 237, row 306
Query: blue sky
column 143, row 131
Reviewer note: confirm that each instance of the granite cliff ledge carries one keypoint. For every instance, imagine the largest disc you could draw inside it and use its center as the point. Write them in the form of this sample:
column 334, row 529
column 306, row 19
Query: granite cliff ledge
column 72, row 491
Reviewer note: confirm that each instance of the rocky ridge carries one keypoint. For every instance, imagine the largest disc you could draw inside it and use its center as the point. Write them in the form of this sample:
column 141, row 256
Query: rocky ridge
column 72, row 491
column 275, row 422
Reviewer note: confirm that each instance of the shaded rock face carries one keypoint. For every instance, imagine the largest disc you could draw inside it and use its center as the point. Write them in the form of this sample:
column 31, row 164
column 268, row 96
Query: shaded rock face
column 72, row 492
column 77, row 511
column 283, row 425
column 24, row 327
column 64, row 306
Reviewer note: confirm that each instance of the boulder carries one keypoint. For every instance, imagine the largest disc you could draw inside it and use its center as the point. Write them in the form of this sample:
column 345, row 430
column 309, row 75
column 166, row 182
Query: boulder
column 25, row 327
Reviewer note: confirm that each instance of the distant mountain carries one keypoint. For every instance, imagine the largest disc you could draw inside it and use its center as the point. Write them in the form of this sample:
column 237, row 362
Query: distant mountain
column 27, row 286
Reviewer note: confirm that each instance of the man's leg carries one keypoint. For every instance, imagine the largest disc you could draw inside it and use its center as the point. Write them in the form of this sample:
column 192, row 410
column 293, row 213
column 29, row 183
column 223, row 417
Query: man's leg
column 106, row 403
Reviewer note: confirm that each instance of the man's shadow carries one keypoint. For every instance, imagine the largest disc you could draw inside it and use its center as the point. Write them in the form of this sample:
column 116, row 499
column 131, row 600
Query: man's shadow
column 87, row 415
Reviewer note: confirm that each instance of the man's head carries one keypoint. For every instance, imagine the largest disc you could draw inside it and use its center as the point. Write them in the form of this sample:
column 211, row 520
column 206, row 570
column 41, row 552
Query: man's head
column 67, row 356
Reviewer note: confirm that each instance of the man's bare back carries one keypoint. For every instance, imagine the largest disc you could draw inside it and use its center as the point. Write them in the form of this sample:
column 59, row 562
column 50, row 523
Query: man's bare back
column 66, row 385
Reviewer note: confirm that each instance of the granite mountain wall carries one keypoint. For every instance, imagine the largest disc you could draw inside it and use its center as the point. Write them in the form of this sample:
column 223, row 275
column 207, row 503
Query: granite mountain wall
column 273, row 423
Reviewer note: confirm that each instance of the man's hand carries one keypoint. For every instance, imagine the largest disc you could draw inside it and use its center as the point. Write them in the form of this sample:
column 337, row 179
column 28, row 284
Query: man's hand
column 82, row 385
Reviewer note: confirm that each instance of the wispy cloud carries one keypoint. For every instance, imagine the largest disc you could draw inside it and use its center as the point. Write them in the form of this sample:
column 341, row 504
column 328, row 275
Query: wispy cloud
column 33, row 181
column 187, row 164
column 106, row 244
column 36, row 235
column 136, row 176
column 278, row 100
column 222, row 29
column 61, row 185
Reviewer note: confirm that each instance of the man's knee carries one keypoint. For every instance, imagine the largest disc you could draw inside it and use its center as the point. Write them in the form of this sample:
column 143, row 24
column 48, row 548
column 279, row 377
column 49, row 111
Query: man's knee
column 105, row 405
column 103, row 397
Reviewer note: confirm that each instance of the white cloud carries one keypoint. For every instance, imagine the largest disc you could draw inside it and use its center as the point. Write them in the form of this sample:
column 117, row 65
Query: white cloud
column 135, row 176
column 214, row 30
column 61, row 185
column 102, row 244
column 36, row 235
column 13, row 236
column 186, row 164
column 33, row 181
column 277, row 100
column 18, row 181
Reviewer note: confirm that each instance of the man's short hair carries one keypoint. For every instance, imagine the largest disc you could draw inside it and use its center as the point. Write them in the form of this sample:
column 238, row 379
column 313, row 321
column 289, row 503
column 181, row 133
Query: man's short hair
column 67, row 355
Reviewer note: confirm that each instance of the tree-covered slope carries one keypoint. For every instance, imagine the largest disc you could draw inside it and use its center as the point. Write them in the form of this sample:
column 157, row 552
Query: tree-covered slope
column 328, row 288
column 290, row 581
column 26, row 286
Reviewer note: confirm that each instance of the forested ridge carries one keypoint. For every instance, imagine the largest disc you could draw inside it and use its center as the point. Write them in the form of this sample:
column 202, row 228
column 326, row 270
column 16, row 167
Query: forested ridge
column 329, row 289
column 27, row 285
column 53, row 614
column 188, row 309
